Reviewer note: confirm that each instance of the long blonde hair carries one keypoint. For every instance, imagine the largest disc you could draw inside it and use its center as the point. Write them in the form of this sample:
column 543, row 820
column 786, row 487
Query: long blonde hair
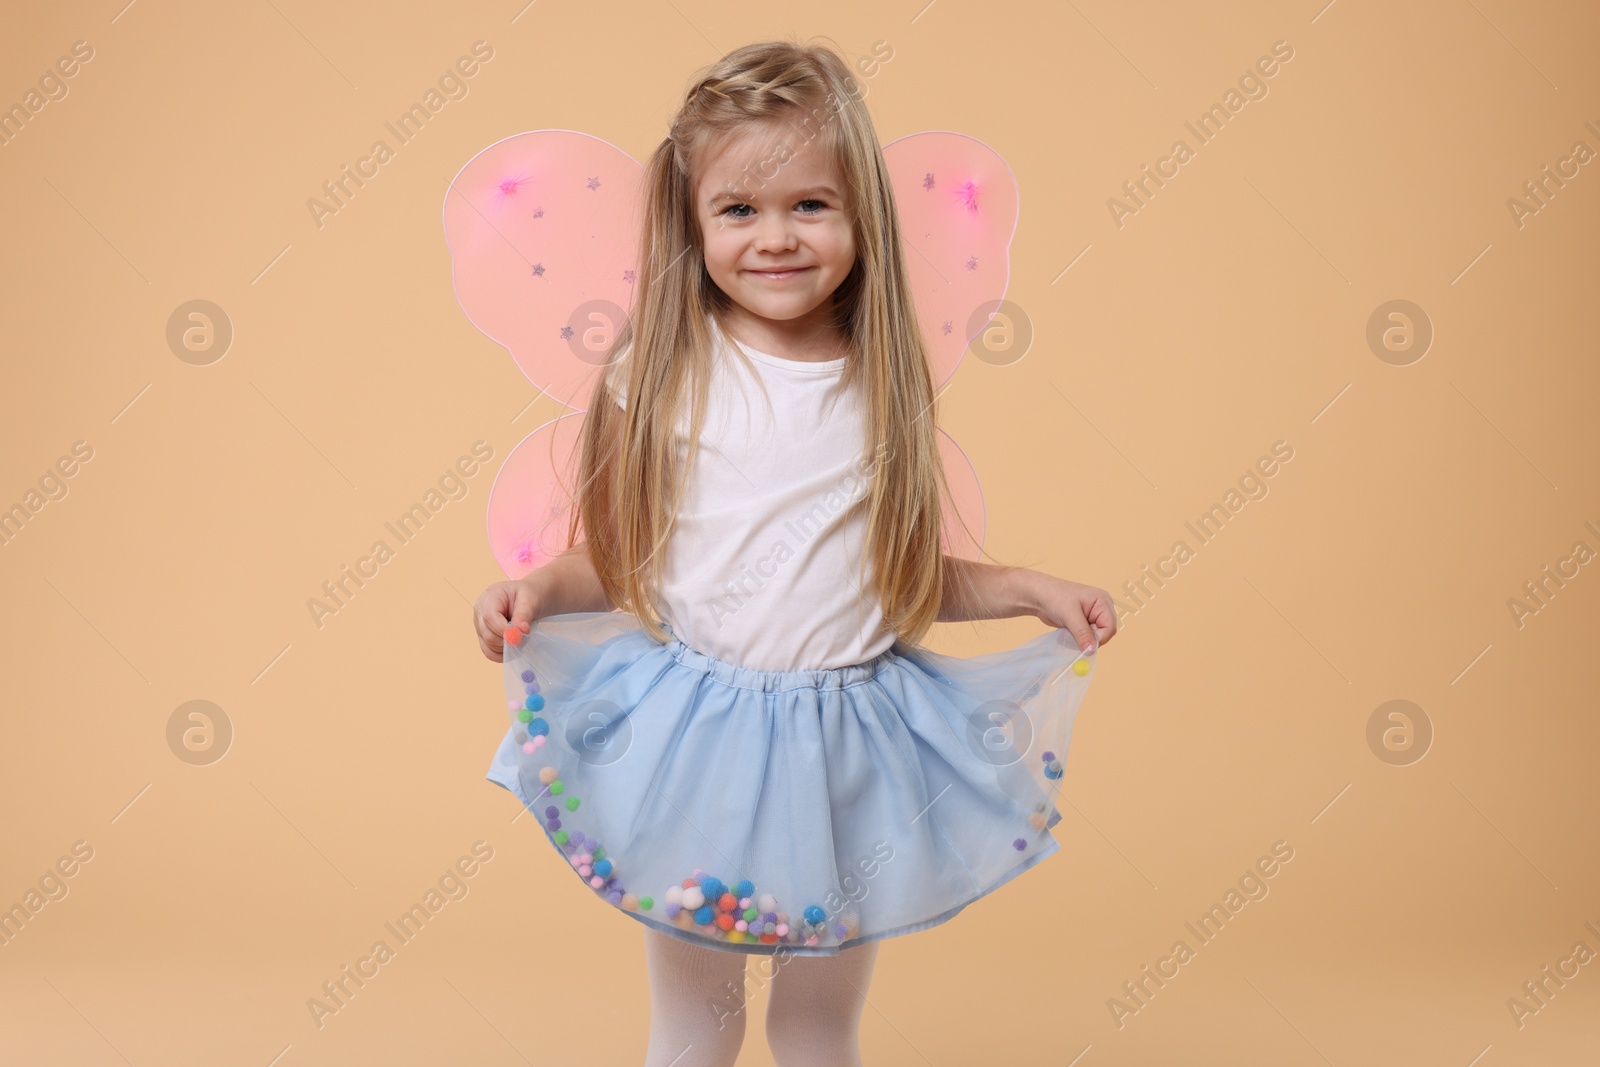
column 629, row 497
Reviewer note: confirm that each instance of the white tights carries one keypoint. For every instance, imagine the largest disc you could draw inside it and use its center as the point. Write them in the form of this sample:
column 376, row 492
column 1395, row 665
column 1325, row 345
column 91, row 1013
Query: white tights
column 697, row 1004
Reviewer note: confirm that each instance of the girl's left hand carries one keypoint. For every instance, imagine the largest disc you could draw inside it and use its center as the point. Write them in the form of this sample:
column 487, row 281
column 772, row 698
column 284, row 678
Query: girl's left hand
column 1076, row 608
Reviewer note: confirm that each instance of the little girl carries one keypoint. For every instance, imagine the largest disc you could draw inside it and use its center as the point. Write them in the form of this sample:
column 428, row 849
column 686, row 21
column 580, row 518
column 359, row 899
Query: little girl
column 755, row 755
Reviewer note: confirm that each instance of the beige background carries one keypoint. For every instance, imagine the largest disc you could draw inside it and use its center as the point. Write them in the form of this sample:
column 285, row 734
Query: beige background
column 1227, row 314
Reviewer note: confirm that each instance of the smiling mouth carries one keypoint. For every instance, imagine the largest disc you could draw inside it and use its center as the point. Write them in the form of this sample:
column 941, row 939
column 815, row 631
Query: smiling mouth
column 779, row 275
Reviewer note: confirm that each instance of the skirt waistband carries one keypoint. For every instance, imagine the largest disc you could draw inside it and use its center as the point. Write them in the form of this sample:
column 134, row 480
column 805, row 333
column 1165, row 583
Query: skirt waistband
column 776, row 681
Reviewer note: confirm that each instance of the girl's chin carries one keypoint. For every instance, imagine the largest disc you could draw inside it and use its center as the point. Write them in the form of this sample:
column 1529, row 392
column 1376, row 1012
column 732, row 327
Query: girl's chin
column 779, row 312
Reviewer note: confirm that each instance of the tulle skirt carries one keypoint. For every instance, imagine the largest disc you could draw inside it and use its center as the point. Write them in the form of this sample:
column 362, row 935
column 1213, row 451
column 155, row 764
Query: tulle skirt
column 800, row 811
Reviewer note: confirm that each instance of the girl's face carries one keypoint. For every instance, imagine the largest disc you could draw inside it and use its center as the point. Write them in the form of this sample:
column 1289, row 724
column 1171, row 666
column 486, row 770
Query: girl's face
column 776, row 230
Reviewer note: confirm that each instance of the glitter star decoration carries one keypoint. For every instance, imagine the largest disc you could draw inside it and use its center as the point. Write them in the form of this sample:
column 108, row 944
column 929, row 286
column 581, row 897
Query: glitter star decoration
column 507, row 187
column 538, row 270
column 538, row 212
column 972, row 262
column 949, row 327
column 927, row 181
column 628, row 276
column 566, row 333
column 593, row 183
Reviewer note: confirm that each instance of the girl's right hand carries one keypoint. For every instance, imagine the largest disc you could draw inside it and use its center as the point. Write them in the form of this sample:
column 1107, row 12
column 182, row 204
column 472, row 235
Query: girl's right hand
column 503, row 603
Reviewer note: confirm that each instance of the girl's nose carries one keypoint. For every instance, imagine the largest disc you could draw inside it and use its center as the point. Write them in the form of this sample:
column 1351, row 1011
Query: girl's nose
column 775, row 234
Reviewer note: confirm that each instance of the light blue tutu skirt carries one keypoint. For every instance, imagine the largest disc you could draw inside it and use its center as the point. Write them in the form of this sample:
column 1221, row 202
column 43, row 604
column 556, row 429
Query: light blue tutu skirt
column 802, row 811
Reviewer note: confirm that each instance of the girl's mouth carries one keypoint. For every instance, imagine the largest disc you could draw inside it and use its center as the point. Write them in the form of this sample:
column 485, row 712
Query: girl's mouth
column 780, row 275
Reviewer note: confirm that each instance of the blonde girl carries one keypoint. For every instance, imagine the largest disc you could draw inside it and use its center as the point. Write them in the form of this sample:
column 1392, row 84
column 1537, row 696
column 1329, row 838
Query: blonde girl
column 725, row 720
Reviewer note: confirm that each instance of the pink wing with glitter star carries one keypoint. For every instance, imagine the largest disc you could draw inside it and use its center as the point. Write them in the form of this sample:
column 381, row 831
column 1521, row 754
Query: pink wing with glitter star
column 543, row 230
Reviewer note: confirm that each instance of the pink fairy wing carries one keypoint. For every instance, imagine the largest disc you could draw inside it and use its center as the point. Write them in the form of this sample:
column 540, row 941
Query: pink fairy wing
column 531, row 500
column 958, row 206
column 957, row 201
column 543, row 231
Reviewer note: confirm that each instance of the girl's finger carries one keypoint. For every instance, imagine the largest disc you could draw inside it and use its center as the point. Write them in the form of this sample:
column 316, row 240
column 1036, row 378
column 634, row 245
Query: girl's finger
column 1103, row 616
column 522, row 607
column 1082, row 632
column 488, row 617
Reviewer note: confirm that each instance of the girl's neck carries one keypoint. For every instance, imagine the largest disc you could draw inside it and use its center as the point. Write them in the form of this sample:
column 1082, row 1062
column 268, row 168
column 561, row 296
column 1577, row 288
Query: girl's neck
column 804, row 340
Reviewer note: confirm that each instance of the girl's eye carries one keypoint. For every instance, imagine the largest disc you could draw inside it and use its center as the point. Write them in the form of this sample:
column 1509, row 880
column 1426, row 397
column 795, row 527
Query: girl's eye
column 735, row 207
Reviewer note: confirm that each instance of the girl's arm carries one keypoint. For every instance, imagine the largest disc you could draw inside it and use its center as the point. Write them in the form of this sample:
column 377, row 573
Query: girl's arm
column 568, row 583
column 987, row 591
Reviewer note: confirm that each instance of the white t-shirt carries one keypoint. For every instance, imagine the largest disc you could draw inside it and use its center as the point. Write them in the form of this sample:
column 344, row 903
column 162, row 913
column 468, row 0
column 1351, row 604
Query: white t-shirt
column 761, row 568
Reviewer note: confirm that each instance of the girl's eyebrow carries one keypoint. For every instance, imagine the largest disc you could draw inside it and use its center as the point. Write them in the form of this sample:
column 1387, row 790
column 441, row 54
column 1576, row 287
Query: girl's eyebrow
column 825, row 190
